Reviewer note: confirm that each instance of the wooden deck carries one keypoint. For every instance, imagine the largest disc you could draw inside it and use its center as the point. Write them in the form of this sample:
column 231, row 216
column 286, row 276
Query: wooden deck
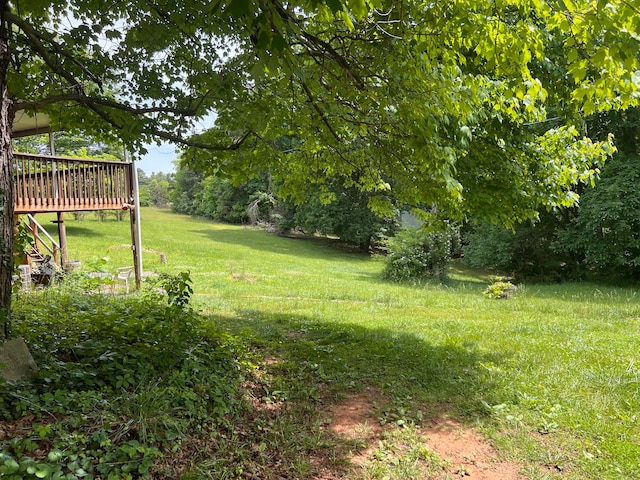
column 59, row 184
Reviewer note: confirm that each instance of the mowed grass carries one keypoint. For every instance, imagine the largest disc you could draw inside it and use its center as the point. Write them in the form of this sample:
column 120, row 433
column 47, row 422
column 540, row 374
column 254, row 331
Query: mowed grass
column 551, row 377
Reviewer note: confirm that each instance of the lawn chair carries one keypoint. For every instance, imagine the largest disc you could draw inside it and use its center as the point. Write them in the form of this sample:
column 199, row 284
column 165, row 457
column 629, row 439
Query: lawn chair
column 124, row 275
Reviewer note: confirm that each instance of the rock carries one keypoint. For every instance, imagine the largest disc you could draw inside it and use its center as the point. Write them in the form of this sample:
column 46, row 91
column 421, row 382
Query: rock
column 16, row 361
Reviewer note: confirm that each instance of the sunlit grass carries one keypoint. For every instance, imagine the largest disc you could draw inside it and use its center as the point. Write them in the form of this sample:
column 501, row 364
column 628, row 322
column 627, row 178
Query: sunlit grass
column 552, row 375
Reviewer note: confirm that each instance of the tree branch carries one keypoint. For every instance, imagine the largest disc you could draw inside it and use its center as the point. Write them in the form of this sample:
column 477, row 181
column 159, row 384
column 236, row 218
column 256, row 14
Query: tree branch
column 36, row 39
column 235, row 145
column 317, row 108
column 323, row 45
column 83, row 99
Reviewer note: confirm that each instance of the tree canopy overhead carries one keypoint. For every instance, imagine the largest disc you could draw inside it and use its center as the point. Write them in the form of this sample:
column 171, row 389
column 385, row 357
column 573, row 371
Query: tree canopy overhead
column 474, row 106
column 447, row 102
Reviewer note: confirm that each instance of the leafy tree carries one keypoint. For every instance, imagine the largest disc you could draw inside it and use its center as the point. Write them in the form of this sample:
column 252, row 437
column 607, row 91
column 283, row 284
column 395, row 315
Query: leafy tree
column 143, row 188
column 624, row 125
column 70, row 145
column 435, row 96
column 156, row 190
column 345, row 213
column 592, row 239
column 606, row 232
column 187, row 186
column 217, row 198
column 160, row 185
column 442, row 103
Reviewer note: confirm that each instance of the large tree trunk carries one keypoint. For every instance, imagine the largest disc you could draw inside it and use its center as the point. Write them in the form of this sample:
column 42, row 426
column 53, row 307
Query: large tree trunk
column 6, row 180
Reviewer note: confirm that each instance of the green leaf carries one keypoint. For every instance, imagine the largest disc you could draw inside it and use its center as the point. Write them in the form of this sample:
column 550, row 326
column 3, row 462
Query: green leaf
column 335, row 5
column 237, row 8
column 44, row 470
column 10, row 467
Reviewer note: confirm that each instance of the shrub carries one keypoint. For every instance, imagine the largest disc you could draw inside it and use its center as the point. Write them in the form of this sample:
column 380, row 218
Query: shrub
column 415, row 254
column 528, row 251
column 500, row 289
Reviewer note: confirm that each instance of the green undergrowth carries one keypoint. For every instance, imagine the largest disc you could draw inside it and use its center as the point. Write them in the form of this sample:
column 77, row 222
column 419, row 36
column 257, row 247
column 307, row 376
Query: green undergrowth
column 121, row 383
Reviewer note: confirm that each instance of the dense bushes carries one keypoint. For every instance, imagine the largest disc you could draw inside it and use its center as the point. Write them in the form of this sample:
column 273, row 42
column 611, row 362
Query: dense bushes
column 216, row 198
column 347, row 216
column 606, row 232
column 529, row 250
column 598, row 240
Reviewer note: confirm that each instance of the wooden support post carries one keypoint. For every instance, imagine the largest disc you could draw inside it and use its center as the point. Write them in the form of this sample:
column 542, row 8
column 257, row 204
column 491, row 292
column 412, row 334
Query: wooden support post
column 135, row 246
column 62, row 236
column 134, row 215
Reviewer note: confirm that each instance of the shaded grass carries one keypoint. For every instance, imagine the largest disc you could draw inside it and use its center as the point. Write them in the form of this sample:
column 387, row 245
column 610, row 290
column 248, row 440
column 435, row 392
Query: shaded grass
column 551, row 376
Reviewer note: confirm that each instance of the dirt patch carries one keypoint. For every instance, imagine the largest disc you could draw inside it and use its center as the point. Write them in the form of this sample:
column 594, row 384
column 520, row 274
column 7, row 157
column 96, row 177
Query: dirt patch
column 354, row 419
column 462, row 450
column 467, row 453
column 355, row 413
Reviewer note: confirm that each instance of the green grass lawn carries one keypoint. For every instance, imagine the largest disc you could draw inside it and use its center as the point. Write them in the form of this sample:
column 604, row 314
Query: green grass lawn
column 551, row 376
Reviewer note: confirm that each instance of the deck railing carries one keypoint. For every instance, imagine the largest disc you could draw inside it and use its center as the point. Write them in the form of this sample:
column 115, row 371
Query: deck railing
column 58, row 184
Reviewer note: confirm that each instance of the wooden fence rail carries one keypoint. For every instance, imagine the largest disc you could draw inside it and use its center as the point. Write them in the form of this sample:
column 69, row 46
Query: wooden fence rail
column 58, row 184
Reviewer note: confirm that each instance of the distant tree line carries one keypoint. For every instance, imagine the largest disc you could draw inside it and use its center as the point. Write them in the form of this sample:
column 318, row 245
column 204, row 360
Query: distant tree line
column 155, row 190
column 334, row 209
column 599, row 238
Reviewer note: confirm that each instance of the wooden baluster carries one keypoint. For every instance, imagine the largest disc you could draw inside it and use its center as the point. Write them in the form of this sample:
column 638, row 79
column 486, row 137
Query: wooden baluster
column 49, row 184
column 75, row 180
column 91, row 184
column 113, row 185
column 83, row 188
column 67, row 186
column 101, row 189
column 25, row 191
column 111, row 174
column 108, row 193
column 39, row 183
column 32, row 190
column 118, row 186
column 82, row 185
column 25, row 198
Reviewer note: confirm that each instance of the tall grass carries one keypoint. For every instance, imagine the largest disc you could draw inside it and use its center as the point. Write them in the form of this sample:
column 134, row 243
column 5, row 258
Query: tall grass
column 552, row 376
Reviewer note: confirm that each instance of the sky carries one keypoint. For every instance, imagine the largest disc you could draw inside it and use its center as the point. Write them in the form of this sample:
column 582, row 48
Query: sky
column 159, row 158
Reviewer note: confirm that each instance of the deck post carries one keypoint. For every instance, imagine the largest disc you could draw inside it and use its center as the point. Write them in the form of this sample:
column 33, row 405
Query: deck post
column 62, row 237
column 136, row 231
column 62, row 229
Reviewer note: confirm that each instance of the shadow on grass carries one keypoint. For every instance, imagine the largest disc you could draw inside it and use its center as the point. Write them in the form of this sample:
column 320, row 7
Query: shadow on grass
column 351, row 357
column 314, row 248
column 306, row 368
column 73, row 230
